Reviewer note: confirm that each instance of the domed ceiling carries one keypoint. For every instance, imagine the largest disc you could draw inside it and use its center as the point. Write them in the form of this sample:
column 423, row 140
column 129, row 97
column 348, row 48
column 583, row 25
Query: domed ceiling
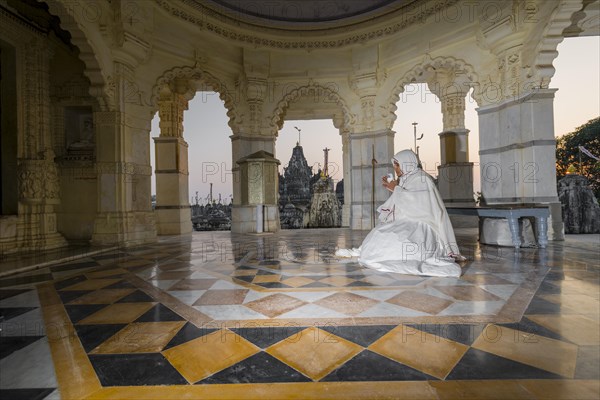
column 298, row 24
column 300, row 13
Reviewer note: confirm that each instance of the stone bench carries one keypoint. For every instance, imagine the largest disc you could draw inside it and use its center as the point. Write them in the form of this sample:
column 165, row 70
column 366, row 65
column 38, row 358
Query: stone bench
column 512, row 213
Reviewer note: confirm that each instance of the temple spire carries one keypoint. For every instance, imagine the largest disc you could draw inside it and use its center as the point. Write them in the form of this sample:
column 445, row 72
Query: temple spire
column 299, row 130
column 326, row 156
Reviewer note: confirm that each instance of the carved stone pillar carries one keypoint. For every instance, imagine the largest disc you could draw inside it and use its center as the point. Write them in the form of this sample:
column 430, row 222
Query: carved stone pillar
column 455, row 174
column 347, row 162
column 37, row 174
column 173, row 215
column 517, row 154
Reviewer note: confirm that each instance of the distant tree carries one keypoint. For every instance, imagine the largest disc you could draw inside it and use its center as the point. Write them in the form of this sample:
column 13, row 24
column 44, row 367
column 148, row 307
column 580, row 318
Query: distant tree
column 567, row 153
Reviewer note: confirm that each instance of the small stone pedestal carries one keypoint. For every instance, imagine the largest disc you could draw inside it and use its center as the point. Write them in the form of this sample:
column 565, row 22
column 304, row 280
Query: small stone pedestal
column 260, row 184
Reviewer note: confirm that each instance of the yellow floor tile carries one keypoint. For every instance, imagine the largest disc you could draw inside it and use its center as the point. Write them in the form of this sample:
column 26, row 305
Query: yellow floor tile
column 314, row 352
column 92, row 284
column 428, row 353
column 337, row 280
column 576, row 328
column 577, row 303
column 567, row 389
column 538, row 351
column 102, row 296
column 119, row 313
column 206, row 355
column 480, row 390
column 266, row 278
column 140, row 337
column 467, row 293
column 297, row 281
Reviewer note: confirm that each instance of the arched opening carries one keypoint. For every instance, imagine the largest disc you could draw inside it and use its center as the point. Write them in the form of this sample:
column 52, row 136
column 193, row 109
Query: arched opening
column 209, row 191
column 301, row 147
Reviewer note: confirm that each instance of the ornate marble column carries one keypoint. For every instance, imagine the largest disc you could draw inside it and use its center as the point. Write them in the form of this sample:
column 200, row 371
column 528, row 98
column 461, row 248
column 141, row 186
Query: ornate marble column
column 37, row 173
column 173, row 215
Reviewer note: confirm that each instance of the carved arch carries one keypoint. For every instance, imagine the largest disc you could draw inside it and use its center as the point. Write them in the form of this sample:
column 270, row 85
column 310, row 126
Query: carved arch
column 100, row 87
column 418, row 72
column 311, row 89
column 199, row 75
column 542, row 70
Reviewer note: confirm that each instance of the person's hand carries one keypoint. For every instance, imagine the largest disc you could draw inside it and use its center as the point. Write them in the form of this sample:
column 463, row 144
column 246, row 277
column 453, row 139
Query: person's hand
column 389, row 185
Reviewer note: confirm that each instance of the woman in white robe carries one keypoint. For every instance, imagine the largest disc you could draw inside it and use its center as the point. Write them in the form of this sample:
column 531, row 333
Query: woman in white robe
column 414, row 235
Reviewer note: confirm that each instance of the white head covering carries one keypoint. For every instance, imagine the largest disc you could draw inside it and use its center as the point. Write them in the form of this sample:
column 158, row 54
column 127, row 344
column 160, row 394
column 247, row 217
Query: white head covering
column 409, row 163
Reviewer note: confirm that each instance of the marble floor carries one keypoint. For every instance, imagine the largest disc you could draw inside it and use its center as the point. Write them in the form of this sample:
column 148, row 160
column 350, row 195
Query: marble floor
column 216, row 315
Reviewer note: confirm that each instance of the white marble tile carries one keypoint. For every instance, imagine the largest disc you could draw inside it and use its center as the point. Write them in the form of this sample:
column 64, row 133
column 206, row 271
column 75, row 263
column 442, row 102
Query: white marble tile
column 29, row 324
column 188, row 297
column 390, row 310
column 380, row 295
column 26, row 299
column 310, row 296
column 229, row 312
column 201, row 275
column 55, row 395
column 254, row 295
column 473, row 308
column 163, row 284
column 312, row 311
column 502, row 291
column 147, row 273
column 30, row 367
column 515, row 278
column 225, row 285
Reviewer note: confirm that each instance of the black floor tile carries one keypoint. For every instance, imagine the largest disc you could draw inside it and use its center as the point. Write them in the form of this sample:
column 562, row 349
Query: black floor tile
column 588, row 363
column 91, row 336
column 369, row 366
column 70, row 267
column 115, row 256
column 477, row 364
column 10, row 344
column 24, row 280
column 187, row 333
column 12, row 312
column 260, row 368
column 136, row 297
column 7, row 293
column 548, row 288
column 159, row 313
column 265, row 337
column 358, row 283
column 317, row 284
column 541, row 306
column 461, row 333
column 25, row 394
column 272, row 285
column 121, row 285
column 527, row 325
column 77, row 312
column 69, row 282
column 68, row 296
column 246, row 279
column 135, row 370
column 361, row 335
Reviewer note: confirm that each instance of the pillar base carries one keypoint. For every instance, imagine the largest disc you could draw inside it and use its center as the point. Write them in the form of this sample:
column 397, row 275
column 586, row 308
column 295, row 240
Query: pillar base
column 243, row 219
column 124, row 228
column 173, row 221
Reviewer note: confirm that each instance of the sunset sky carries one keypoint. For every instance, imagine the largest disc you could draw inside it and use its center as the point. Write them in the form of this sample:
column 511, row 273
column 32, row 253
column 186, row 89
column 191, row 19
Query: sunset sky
column 207, row 132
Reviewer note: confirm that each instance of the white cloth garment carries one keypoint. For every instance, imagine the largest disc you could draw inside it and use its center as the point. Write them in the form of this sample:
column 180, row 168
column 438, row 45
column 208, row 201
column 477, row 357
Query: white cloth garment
column 414, row 235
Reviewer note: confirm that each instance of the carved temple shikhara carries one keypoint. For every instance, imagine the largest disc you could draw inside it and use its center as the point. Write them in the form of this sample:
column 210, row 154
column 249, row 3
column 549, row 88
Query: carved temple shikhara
column 81, row 82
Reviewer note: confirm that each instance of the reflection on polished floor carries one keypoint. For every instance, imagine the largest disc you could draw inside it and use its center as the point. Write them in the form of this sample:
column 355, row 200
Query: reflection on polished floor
column 217, row 315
